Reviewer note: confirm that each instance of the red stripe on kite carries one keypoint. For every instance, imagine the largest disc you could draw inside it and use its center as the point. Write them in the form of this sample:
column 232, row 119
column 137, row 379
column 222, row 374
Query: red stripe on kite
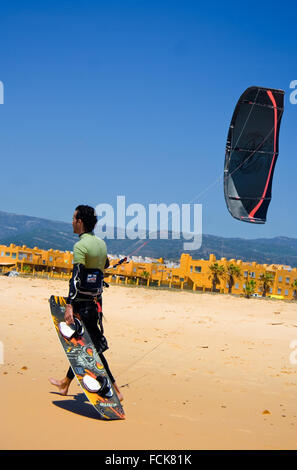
column 252, row 213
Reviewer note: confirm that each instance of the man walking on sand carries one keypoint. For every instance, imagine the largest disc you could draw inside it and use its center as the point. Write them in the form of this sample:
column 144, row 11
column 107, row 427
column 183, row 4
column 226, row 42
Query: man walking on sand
column 89, row 256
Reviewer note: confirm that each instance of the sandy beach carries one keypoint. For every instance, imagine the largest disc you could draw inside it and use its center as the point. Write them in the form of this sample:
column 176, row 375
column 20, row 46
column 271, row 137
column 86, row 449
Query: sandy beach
column 198, row 371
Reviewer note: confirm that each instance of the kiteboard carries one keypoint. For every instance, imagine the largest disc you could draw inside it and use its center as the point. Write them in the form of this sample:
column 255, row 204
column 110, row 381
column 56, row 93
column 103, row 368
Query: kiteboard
column 85, row 363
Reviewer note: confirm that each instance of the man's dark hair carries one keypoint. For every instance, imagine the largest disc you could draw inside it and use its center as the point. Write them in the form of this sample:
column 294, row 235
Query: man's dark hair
column 88, row 216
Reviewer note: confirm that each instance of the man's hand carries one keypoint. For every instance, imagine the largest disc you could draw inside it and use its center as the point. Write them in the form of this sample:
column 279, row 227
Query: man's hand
column 68, row 317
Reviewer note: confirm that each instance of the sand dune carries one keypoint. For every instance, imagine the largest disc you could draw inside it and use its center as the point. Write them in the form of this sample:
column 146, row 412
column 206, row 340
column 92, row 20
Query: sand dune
column 198, row 371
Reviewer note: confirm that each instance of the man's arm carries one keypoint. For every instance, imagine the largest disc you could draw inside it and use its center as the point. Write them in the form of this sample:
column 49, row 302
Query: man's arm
column 79, row 257
column 73, row 284
column 71, row 295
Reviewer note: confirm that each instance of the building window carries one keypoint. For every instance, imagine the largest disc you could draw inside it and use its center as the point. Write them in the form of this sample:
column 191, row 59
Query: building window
column 279, row 291
column 237, row 285
column 13, row 255
column 197, row 269
column 7, row 253
column 287, row 280
column 286, row 292
column 246, row 274
column 280, row 278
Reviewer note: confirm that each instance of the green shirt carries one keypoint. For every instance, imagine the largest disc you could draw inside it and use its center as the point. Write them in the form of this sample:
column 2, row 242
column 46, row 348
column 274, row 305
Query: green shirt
column 90, row 251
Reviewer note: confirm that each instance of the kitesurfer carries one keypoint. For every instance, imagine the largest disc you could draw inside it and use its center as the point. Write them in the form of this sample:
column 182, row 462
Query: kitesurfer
column 85, row 288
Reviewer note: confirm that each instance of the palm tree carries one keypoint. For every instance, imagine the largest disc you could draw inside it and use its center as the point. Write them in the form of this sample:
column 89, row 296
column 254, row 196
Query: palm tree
column 266, row 281
column 249, row 288
column 233, row 272
column 217, row 271
column 294, row 285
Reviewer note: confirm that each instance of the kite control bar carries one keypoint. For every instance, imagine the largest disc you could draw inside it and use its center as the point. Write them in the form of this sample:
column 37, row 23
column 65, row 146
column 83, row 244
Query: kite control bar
column 120, row 262
column 123, row 260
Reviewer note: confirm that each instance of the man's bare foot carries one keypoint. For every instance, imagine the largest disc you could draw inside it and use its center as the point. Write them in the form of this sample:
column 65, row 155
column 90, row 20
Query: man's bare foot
column 63, row 385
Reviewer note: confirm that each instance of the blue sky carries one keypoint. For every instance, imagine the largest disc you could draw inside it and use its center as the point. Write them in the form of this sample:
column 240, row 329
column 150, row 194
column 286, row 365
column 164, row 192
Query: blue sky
column 135, row 98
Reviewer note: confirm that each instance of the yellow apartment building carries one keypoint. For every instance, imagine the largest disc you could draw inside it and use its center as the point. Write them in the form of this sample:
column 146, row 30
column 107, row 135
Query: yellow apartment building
column 192, row 274
column 33, row 260
column 195, row 274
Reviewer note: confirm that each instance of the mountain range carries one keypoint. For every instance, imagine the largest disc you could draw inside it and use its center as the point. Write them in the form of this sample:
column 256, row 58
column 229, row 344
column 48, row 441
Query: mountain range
column 46, row 234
